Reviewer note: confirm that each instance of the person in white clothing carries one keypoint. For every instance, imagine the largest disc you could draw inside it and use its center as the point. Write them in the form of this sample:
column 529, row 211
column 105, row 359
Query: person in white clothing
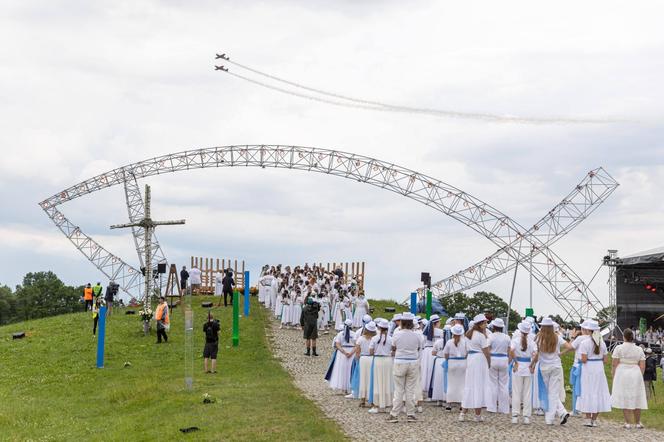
column 380, row 348
column 274, row 293
column 549, row 377
column 338, row 375
column 218, row 287
column 363, row 355
column 454, row 368
column 431, row 334
column 361, row 309
column 574, row 378
column 476, row 387
column 406, row 345
column 522, row 350
column 595, row 397
column 499, row 343
column 195, row 280
column 629, row 392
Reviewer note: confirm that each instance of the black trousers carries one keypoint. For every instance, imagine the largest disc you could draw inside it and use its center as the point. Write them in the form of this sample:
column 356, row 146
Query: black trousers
column 226, row 293
column 161, row 331
column 94, row 324
column 88, row 304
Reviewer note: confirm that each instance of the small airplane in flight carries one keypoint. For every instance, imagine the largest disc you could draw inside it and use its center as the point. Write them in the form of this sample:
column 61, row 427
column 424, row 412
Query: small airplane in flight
column 222, row 56
column 220, row 68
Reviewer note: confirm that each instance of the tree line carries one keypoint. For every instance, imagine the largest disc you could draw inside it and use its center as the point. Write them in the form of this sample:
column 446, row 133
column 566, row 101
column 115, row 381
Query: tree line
column 40, row 295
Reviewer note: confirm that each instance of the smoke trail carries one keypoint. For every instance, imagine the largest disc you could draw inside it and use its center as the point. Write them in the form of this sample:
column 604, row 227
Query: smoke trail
column 358, row 103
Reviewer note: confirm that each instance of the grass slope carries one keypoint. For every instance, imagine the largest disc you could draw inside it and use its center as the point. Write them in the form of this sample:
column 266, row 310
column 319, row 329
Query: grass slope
column 51, row 390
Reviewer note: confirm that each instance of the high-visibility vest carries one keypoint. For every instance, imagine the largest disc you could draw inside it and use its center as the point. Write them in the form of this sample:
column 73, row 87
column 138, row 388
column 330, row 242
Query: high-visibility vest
column 159, row 314
column 97, row 290
column 87, row 293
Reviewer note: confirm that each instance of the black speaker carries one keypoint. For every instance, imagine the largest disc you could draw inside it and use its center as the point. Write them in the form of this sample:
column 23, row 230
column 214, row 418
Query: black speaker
column 161, row 267
column 425, row 279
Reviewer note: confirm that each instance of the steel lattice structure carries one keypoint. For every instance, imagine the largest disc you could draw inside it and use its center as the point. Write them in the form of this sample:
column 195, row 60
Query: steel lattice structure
column 557, row 278
column 584, row 199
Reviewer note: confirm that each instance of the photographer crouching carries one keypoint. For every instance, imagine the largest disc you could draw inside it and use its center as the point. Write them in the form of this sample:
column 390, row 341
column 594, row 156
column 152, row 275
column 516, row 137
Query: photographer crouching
column 309, row 323
column 211, row 329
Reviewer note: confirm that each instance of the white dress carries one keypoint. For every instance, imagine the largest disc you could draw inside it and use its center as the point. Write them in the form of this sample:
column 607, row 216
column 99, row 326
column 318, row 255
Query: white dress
column 383, row 386
column 595, row 396
column 426, row 361
column 499, row 398
column 296, row 311
column 456, row 369
column 285, row 311
column 218, row 277
column 361, row 309
column 340, row 377
column 629, row 391
column 476, row 387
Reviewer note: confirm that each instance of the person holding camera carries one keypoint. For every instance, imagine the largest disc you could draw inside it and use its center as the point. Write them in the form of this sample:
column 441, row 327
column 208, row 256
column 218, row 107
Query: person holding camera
column 211, row 329
column 309, row 323
column 111, row 291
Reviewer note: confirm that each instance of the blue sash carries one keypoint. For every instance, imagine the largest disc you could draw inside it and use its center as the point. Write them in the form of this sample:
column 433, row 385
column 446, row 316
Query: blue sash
column 542, row 391
column 498, row 355
column 472, row 352
column 371, row 381
column 510, row 368
column 328, row 373
column 575, row 382
column 355, row 377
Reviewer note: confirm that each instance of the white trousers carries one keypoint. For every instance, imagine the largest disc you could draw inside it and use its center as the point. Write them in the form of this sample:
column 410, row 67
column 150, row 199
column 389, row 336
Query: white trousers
column 499, row 396
column 521, row 395
column 405, row 384
column 553, row 379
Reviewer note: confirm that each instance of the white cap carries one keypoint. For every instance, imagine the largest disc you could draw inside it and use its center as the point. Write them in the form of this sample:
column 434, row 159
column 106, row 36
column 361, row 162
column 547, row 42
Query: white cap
column 371, row 326
column 547, row 322
column 434, row 318
column 348, row 322
column 460, row 315
column 524, row 327
column 383, row 324
column 498, row 323
column 366, row 319
column 457, row 330
column 479, row 318
column 407, row 316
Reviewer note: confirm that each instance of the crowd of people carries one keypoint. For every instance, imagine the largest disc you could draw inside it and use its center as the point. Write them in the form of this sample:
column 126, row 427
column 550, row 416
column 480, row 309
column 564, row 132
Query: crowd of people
column 470, row 365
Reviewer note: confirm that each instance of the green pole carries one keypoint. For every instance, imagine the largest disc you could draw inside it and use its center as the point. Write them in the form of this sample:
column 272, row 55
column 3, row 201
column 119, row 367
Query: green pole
column 236, row 318
column 428, row 304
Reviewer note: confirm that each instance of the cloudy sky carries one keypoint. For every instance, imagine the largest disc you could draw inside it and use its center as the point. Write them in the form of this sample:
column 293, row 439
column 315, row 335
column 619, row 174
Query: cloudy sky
column 88, row 86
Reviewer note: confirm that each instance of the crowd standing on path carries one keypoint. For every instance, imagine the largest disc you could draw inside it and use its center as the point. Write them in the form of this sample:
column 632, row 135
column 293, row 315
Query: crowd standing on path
column 399, row 365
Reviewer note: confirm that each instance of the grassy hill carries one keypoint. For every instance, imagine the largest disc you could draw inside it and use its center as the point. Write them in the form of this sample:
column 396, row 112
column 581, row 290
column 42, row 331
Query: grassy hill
column 51, row 390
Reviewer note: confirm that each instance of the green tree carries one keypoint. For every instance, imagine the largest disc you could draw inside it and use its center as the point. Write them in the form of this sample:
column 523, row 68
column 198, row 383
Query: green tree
column 481, row 302
column 44, row 294
column 7, row 305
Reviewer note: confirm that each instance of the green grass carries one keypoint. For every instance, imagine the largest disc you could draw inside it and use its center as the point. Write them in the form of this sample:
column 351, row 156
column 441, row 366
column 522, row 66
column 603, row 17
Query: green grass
column 51, row 390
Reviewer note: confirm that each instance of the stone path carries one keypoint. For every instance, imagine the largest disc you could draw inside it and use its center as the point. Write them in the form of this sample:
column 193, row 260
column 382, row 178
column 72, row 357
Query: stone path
column 434, row 423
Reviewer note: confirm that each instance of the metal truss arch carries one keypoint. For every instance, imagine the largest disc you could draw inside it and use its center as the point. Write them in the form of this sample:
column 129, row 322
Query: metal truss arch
column 558, row 279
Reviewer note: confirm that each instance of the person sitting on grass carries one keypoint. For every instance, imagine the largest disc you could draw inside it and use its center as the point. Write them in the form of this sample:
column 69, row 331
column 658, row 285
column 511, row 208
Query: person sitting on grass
column 211, row 329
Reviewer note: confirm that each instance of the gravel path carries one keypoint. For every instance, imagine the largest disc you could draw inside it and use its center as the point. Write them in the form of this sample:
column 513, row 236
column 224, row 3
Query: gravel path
column 434, row 422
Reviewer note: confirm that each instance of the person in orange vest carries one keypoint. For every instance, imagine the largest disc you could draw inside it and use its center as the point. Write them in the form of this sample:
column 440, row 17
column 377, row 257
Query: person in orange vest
column 87, row 297
column 163, row 320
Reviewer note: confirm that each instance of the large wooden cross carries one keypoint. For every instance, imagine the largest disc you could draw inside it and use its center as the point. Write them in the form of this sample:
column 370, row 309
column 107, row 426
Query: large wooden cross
column 148, row 225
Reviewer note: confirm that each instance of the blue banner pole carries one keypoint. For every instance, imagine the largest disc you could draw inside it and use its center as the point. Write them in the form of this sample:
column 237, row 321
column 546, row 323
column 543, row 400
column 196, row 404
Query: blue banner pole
column 246, row 293
column 413, row 303
column 100, row 337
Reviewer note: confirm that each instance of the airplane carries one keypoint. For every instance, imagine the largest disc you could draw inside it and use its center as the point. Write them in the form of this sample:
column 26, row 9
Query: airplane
column 222, row 56
column 220, row 68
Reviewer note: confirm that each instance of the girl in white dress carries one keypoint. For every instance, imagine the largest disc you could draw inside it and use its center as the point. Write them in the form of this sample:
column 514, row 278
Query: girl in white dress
column 454, row 368
column 363, row 354
column 499, row 343
column 522, row 350
column 436, row 388
column 476, row 386
column 549, row 377
column 595, row 397
column 285, row 313
column 574, row 374
column 296, row 310
column 361, row 309
column 347, row 308
column 431, row 333
column 344, row 343
column 629, row 391
column 338, row 317
column 381, row 349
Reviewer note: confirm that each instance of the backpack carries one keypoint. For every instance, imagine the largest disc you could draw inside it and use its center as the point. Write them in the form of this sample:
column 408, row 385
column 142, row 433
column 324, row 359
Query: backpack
column 209, row 332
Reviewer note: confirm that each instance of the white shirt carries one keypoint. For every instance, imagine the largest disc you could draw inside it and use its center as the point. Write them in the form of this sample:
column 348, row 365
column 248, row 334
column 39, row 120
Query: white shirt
column 408, row 344
column 531, row 347
column 194, row 276
column 499, row 342
column 364, row 343
column 588, row 348
column 577, row 347
column 477, row 342
column 551, row 359
column 340, row 339
column 456, row 351
column 382, row 346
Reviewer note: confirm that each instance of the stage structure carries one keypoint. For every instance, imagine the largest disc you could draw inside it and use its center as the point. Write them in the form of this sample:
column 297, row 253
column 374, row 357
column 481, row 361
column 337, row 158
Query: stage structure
column 558, row 279
column 532, row 250
column 208, row 272
column 637, row 283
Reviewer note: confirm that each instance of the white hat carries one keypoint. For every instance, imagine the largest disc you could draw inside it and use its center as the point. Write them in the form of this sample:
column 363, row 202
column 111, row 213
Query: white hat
column 585, row 324
column 498, row 323
column 449, row 321
column 366, row 319
column 460, row 315
column 377, row 320
column 648, row 350
column 530, row 319
column 556, row 326
column 592, row 325
column 418, row 318
column 457, row 330
column 348, row 322
column 434, row 318
column 424, row 322
column 471, row 324
column 407, row 316
column 397, row 317
column 448, row 327
column 479, row 318
column 547, row 322
column 524, row 327
column 383, row 324
column 371, row 326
